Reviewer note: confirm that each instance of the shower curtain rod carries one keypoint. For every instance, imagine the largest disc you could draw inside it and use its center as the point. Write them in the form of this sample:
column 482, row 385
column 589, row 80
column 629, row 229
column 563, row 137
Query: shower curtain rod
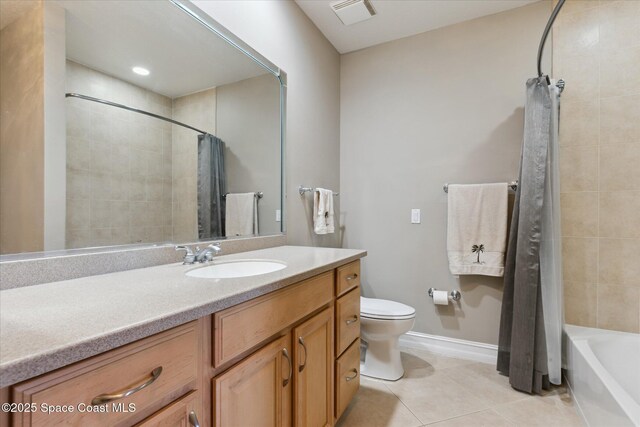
column 552, row 18
column 135, row 110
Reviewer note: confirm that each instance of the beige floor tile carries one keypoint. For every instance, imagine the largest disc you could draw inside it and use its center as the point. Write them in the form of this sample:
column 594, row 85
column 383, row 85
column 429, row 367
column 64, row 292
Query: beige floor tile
column 416, row 358
column 487, row 418
column 433, row 396
column 453, row 392
column 556, row 408
column 376, row 406
column 485, row 383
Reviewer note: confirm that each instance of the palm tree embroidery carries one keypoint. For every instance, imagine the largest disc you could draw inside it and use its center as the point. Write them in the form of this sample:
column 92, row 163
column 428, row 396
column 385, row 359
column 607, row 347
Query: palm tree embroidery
column 477, row 249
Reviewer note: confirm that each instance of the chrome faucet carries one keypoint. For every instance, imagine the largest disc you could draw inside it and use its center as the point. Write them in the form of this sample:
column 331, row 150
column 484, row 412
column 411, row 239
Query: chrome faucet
column 200, row 256
column 189, row 256
column 208, row 253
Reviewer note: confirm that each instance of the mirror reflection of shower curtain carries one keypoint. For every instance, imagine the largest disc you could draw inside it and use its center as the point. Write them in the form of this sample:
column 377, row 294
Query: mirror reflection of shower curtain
column 211, row 187
column 531, row 321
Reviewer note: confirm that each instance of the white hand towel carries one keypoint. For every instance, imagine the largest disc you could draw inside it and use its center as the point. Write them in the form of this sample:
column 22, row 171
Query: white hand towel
column 477, row 228
column 323, row 211
column 240, row 214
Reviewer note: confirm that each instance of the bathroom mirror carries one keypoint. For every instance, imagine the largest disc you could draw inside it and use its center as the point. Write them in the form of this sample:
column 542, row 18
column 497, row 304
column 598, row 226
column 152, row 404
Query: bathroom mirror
column 134, row 122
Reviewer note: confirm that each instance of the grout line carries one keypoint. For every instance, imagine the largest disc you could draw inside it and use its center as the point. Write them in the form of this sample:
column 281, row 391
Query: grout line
column 400, row 400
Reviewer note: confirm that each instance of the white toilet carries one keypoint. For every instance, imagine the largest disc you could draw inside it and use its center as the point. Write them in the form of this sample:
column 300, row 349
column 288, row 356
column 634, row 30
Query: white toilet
column 382, row 322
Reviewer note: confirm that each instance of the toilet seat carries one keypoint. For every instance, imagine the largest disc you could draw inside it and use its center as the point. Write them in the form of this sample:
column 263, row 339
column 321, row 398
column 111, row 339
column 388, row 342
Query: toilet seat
column 383, row 309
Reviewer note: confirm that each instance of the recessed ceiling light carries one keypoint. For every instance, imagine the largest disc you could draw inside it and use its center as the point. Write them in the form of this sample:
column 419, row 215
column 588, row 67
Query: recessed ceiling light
column 141, row 71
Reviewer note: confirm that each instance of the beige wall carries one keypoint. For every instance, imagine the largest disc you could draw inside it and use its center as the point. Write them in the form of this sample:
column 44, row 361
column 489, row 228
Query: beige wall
column 280, row 31
column 118, row 163
column 22, row 134
column 444, row 106
column 596, row 49
column 247, row 120
column 197, row 110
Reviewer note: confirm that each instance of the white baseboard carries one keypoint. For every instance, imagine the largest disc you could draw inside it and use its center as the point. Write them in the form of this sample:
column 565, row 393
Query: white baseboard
column 452, row 347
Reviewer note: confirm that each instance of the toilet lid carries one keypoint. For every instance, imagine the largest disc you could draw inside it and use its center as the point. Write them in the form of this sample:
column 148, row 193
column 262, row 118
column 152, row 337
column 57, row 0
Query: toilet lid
column 385, row 309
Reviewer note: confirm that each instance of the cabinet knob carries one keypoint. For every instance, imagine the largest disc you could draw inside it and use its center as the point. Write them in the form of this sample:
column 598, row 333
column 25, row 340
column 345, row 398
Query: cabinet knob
column 352, row 377
column 352, row 276
column 352, row 319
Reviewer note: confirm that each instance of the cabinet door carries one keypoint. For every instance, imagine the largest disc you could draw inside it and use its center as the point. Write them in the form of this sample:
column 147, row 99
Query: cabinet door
column 181, row 413
column 257, row 391
column 313, row 371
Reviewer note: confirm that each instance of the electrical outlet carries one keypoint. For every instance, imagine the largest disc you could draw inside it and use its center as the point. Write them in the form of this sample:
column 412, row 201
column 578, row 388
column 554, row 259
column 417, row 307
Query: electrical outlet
column 415, row 216
column 278, row 215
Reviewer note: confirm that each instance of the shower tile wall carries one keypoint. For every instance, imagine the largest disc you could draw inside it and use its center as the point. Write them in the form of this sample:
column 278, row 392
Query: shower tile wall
column 197, row 110
column 596, row 49
column 119, row 163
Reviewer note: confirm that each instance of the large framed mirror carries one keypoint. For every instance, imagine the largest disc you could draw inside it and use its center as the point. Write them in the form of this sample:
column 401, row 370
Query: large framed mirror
column 134, row 123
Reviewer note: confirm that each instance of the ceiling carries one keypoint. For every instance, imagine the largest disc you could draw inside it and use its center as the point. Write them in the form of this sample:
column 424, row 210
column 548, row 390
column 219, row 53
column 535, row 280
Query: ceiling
column 398, row 18
column 183, row 56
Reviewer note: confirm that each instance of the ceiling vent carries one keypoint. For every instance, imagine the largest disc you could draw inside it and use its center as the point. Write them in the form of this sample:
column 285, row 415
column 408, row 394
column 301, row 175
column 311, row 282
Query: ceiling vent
column 352, row 11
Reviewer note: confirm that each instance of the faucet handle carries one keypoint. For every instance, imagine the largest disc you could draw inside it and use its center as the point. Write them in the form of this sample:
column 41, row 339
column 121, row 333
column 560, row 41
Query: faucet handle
column 189, row 256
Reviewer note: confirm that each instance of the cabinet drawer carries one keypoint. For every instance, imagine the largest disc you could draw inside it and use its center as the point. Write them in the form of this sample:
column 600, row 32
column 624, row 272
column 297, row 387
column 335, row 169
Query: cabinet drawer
column 348, row 277
column 183, row 412
column 347, row 377
column 240, row 328
column 347, row 320
column 108, row 377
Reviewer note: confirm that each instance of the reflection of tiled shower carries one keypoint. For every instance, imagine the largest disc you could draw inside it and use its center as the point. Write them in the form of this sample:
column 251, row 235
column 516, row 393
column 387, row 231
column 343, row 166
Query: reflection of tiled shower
column 131, row 178
column 119, row 164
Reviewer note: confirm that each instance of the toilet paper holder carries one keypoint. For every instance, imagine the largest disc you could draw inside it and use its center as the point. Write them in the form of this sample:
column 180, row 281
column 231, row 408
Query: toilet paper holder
column 453, row 295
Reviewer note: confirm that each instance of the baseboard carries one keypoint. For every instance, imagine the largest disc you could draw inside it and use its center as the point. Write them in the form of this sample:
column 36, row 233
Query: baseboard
column 452, row 347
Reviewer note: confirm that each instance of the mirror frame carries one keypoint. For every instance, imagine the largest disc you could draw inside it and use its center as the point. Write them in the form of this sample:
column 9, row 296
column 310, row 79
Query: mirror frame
column 215, row 27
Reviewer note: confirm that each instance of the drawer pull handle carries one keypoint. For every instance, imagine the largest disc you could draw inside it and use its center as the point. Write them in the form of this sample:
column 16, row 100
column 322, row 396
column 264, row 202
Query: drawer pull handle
column 352, row 319
column 106, row 398
column 352, row 377
column 301, row 367
column 352, row 276
column 285, row 353
column 193, row 419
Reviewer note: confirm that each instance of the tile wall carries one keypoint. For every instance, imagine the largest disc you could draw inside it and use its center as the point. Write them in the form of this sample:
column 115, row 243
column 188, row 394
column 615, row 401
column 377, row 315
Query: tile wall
column 197, row 110
column 119, row 163
column 596, row 49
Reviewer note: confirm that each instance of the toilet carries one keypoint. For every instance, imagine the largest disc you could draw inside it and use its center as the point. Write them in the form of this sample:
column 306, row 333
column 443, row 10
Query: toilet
column 382, row 322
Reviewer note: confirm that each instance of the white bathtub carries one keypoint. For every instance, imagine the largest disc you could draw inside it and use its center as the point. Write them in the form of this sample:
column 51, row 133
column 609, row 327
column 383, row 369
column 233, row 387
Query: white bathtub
column 603, row 369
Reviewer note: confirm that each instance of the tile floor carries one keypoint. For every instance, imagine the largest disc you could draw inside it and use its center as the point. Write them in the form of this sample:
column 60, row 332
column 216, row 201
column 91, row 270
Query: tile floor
column 444, row 391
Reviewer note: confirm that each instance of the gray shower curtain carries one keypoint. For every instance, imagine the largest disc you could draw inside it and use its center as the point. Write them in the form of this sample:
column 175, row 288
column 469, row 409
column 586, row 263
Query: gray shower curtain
column 211, row 187
column 523, row 342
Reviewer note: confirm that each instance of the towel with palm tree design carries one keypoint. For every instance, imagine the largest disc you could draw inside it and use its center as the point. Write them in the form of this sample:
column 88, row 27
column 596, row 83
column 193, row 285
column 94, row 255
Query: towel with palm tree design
column 477, row 228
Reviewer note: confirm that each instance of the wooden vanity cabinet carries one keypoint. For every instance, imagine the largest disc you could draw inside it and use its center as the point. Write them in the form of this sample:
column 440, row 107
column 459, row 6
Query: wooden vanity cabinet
column 313, row 371
column 131, row 383
column 287, row 382
column 181, row 413
column 347, row 343
column 257, row 391
column 287, row 358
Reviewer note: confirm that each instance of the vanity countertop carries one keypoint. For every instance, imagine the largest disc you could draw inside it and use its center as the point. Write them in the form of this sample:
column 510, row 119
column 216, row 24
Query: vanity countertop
column 48, row 326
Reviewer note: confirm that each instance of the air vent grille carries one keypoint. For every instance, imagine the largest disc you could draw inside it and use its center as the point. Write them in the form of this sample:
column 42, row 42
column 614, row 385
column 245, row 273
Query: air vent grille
column 352, row 11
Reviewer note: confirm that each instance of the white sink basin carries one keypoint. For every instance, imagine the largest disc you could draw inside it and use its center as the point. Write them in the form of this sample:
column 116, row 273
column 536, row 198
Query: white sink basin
column 232, row 269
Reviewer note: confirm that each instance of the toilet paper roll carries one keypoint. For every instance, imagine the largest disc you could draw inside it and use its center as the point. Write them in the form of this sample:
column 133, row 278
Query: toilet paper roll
column 441, row 297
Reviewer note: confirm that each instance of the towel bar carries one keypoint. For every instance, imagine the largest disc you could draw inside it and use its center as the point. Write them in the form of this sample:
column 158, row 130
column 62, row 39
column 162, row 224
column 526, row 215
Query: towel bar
column 512, row 185
column 258, row 194
column 303, row 190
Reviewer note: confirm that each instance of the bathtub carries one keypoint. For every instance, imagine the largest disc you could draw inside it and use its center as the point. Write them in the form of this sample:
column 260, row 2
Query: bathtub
column 603, row 370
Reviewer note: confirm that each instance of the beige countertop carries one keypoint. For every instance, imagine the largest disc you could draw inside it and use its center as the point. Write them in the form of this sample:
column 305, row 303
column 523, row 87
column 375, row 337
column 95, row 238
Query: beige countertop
column 48, row 326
